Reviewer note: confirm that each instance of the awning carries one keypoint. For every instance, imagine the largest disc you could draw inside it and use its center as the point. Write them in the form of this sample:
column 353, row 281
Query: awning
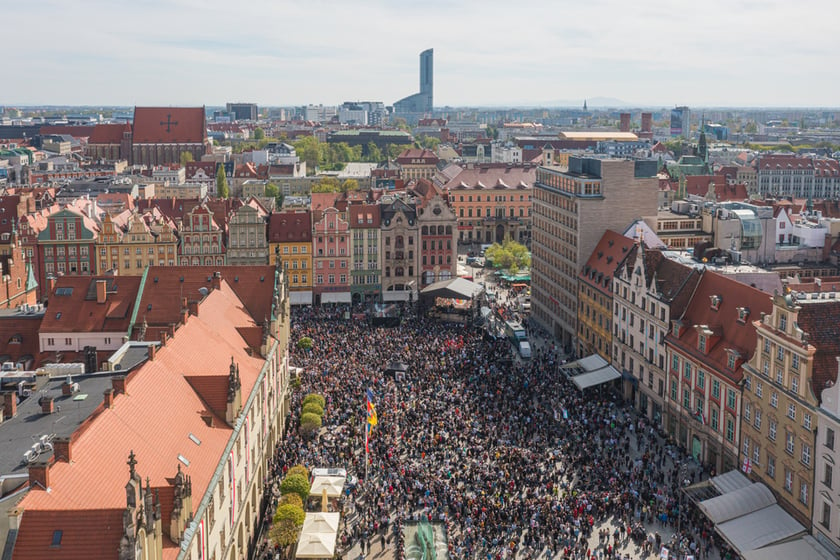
column 737, row 503
column 760, row 528
column 596, row 377
column 332, row 484
column 805, row 548
column 730, row 481
column 318, row 535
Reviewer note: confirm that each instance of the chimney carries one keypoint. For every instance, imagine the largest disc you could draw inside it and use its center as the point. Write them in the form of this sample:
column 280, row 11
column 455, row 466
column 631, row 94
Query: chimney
column 9, row 405
column 163, row 337
column 193, row 307
column 47, row 405
column 217, row 281
column 118, row 384
column 184, row 303
column 109, row 398
column 63, row 449
column 101, row 285
column 39, row 474
column 67, row 388
column 151, row 349
column 51, row 284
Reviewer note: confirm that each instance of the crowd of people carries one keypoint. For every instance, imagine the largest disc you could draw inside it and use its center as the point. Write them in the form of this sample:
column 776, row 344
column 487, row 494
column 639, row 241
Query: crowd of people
column 505, row 454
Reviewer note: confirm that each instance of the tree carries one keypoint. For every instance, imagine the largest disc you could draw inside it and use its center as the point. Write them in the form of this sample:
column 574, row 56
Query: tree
column 186, row 157
column 222, row 190
column 291, row 512
column 316, row 398
column 259, row 133
column 284, row 534
column 308, row 149
column 292, row 499
column 305, row 343
column 311, row 418
column 349, row 185
column 312, row 408
column 327, row 185
column 298, row 469
column 295, row 484
column 372, row 152
column 430, row 142
column 510, row 255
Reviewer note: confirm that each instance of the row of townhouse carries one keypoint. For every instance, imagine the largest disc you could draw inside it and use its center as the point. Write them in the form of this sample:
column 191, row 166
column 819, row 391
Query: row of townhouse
column 738, row 377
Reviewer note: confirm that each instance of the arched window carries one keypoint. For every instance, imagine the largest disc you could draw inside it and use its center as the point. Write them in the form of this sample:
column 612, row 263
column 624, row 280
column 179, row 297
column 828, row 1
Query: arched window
column 425, row 230
column 399, row 271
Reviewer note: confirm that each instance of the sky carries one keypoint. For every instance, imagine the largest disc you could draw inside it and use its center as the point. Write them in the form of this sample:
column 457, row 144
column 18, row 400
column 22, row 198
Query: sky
column 724, row 53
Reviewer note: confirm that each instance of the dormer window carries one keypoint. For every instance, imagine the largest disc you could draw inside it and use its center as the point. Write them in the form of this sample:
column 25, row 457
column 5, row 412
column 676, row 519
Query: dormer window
column 743, row 313
column 730, row 361
column 676, row 328
column 715, row 302
column 783, row 321
column 701, row 343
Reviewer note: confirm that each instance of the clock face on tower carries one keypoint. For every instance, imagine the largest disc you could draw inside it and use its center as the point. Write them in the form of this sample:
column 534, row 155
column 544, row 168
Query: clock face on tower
column 436, row 211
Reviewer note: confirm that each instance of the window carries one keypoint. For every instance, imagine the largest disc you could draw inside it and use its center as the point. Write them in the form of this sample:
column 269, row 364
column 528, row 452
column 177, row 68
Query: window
column 748, row 412
column 675, row 362
column 771, row 434
column 701, row 343
column 716, row 388
column 794, row 383
column 757, row 421
column 783, row 321
column 730, row 430
column 686, row 398
column 806, row 454
column 746, row 446
column 715, row 421
column 730, row 361
column 788, row 480
column 767, row 345
column 774, row 399
column 771, row 466
column 829, row 438
column 828, row 475
column 673, row 390
column 825, row 520
column 730, row 398
column 806, row 420
column 794, row 363
column 792, row 411
column 756, row 454
column 803, row 492
column 701, row 378
column 780, row 353
column 687, row 370
column 56, row 538
column 789, row 442
column 748, row 383
column 779, row 376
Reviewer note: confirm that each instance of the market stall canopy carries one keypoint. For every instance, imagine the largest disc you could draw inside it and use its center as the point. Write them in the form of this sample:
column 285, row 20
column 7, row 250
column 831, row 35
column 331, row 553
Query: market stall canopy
column 806, row 548
column 318, row 535
column 334, row 485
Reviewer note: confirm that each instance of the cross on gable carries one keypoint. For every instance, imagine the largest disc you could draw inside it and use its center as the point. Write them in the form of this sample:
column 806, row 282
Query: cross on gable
column 169, row 122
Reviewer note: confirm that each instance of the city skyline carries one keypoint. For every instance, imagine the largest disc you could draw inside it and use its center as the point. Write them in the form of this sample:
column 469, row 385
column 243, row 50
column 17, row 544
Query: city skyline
column 729, row 54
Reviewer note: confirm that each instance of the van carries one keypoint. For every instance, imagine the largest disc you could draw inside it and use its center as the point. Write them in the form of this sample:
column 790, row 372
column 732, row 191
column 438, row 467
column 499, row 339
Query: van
column 525, row 349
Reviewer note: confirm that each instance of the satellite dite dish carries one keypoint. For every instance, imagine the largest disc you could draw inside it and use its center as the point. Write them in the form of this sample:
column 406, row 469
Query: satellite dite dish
column 203, row 291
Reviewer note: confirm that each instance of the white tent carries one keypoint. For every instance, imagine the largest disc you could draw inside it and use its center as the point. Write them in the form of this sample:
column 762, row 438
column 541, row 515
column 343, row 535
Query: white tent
column 332, row 484
column 318, row 535
column 730, row 481
column 760, row 528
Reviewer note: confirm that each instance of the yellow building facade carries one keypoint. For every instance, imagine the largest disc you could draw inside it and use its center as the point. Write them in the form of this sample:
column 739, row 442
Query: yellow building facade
column 131, row 241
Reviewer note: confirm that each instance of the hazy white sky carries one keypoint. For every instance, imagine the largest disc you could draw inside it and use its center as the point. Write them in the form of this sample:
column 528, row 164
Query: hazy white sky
column 492, row 52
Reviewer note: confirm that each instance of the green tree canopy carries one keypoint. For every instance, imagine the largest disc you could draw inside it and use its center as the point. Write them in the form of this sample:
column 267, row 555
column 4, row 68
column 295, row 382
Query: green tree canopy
column 284, row 533
column 292, row 499
column 298, row 469
column 222, row 190
column 349, row 185
column 289, row 511
column 313, row 408
column 316, row 398
column 295, row 484
column 327, row 185
column 305, row 343
column 259, row 133
column 186, row 157
column 308, row 149
column 510, row 255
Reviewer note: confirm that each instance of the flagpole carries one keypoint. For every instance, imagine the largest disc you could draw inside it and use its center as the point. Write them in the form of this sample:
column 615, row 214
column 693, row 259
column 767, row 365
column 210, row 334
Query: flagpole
column 367, row 431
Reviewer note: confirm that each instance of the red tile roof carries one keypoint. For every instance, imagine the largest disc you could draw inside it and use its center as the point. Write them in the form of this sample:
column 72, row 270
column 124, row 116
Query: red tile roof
column 820, row 321
column 19, row 327
column 186, row 125
column 608, row 255
column 108, row 133
column 192, row 167
column 289, row 227
column 734, row 334
column 699, row 185
column 417, row 155
column 370, row 216
column 776, row 161
column 493, row 176
column 166, row 287
column 73, row 307
column 154, row 418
